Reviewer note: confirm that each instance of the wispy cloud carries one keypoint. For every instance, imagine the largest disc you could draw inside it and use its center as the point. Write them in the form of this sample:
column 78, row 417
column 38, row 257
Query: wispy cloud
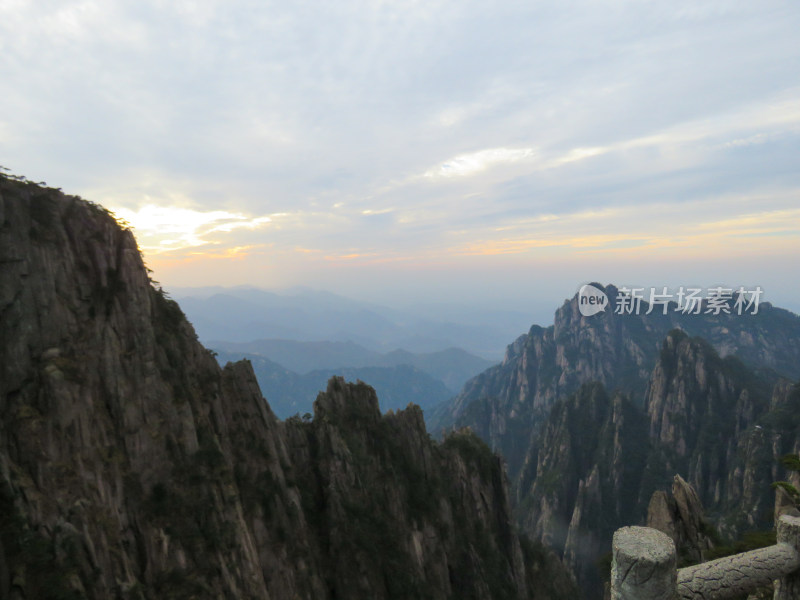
column 166, row 228
column 473, row 163
column 413, row 132
column 648, row 231
column 753, row 223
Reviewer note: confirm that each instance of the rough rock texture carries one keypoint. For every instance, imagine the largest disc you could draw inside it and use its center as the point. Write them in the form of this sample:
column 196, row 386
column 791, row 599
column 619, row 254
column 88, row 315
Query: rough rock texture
column 734, row 576
column 586, row 479
column 508, row 403
column 698, row 405
column 681, row 516
column 717, row 412
column 695, row 398
column 599, row 461
column 645, row 559
column 722, row 426
column 788, row 587
column 644, row 565
column 133, row 466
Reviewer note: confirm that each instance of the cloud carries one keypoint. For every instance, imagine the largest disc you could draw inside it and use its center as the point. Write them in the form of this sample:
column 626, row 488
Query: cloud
column 682, row 144
column 166, row 228
column 409, row 131
column 717, row 228
column 465, row 165
column 769, row 222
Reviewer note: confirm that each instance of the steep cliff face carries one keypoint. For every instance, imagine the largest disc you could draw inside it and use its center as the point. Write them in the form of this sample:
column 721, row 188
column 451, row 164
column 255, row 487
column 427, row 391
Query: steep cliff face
column 586, row 478
column 508, row 403
column 699, row 406
column 133, row 466
column 599, row 460
column 680, row 515
column 701, row 409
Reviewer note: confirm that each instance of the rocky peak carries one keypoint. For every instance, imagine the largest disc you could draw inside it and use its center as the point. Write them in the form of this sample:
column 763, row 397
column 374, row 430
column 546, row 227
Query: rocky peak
column 599, row 460
column 353, row 404
column 681, row 516
column 618, row 350
column 515, row 397
column 568, row 315
column 699, row 406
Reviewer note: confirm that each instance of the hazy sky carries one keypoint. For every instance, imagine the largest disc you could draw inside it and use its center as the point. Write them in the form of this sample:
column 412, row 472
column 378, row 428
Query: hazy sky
column 402, row 151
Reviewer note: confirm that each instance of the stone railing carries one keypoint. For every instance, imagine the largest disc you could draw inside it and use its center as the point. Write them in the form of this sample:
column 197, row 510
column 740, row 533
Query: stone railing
column 643, row 568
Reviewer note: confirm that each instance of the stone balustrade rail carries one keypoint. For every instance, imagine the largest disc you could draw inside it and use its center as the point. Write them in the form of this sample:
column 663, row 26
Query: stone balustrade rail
column 644, row 568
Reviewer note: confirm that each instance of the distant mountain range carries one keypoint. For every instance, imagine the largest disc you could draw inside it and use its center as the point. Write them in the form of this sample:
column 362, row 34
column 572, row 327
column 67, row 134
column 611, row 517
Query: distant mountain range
column 290, row 393
column 291, row 373
column 244, row 314
column 452, row 366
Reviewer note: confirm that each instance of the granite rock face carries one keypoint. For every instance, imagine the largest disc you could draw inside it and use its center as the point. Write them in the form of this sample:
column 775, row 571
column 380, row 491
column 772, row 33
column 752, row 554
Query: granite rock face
column 681, row 516
column 508, row 404
column 133, row 466
column 722, row 426
column 586, row 480
column 706, row 396
column 600, row 458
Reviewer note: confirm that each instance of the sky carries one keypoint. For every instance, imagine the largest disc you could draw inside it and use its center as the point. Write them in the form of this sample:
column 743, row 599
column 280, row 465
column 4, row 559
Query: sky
column 490, row 153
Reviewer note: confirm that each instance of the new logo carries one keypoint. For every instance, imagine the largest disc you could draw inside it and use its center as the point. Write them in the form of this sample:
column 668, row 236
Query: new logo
column 591, row 300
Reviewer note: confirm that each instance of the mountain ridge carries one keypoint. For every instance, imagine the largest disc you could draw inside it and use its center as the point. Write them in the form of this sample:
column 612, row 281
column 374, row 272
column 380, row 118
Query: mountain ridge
column 452, row 366
column 133, row 466
column 720, row 422
column 618, row 350
column 601, row 458
column 245, row 314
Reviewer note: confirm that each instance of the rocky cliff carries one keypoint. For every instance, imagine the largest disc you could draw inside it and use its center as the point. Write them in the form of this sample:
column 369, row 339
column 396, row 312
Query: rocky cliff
column 702, row 412
column 715, row 408
column 680, row 515
column 133, row 466
column 602, row 462
column 585, row 479
column 508, row 404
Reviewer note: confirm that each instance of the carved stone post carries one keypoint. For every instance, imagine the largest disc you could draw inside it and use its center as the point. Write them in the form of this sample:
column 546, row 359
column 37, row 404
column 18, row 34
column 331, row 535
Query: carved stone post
column 643, row 567
column 788, row 587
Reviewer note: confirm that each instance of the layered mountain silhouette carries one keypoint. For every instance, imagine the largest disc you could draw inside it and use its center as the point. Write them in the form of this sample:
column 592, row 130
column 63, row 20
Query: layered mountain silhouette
column 292, row 372
column 451, row 366
column 244, row 314
column 291, row 393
